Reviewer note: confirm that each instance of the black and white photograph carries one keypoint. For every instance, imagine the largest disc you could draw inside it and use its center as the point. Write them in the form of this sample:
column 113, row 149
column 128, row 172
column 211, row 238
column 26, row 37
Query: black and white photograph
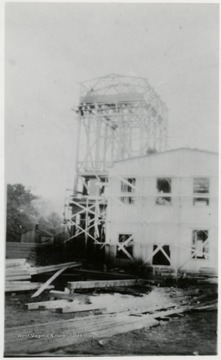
column 111, row 117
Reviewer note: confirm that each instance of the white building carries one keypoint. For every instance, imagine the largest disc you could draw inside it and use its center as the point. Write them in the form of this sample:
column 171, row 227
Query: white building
column 163, row 209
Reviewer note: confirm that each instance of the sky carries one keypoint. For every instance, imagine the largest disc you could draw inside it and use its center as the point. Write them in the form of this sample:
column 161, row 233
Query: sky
column 51, row 47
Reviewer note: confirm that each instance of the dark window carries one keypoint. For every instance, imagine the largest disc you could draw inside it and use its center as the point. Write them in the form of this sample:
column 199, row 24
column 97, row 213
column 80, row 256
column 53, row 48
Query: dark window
column 128, row 189
column 159, row 258
column 200, row 246
column 102, row 184
column 201, row 191
column 163, row 190
column 121, row 254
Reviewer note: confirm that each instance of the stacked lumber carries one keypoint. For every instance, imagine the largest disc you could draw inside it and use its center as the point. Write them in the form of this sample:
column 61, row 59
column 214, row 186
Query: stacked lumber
column 18, row 271
column 17, row 276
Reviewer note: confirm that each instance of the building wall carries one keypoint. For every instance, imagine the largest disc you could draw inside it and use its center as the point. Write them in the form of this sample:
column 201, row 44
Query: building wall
column 173, row 225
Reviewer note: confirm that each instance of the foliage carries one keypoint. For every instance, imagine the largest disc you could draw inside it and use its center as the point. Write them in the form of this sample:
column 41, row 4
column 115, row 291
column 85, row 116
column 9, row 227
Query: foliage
column 21, row 214
column 52, row 224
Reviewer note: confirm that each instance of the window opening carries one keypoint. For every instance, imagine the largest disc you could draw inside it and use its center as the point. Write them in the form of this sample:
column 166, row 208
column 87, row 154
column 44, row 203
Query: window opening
column 200, row 246
column 125, row 251
column 163, row 190
column 127, row 189
column 201, row 191
column 160, row 257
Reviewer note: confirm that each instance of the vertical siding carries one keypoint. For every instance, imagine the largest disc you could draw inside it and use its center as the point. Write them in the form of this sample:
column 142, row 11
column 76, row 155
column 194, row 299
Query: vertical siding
column 170, row 224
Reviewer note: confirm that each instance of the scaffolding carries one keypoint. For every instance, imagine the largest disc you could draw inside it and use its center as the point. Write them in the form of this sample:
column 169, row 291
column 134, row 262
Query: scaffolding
column 119, row 117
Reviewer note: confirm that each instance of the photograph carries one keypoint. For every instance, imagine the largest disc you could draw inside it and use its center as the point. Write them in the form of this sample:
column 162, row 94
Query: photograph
column 111, row 117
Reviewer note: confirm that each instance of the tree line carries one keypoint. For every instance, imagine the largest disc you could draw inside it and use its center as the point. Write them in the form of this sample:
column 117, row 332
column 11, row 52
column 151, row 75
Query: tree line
column 23, row 213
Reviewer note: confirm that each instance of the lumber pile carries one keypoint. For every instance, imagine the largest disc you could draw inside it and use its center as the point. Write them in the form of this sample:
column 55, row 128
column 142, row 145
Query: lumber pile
column 17, row 269
column 18, row 275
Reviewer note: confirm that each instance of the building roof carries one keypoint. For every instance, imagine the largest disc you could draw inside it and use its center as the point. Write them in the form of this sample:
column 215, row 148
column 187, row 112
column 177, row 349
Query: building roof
column 42, row 232
column 168, row 151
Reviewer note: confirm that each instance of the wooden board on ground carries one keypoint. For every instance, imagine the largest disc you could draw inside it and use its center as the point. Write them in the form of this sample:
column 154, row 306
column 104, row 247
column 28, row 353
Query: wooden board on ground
column 47, row 304
column 34, row 339
column 55, row 294
column 73, row 308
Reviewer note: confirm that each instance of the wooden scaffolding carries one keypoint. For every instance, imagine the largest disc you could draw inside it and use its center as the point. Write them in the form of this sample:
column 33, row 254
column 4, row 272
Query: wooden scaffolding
column 119, row 117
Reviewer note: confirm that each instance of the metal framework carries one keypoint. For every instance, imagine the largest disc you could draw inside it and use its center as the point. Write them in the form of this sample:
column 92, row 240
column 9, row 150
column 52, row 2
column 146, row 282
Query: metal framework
column 119, row 117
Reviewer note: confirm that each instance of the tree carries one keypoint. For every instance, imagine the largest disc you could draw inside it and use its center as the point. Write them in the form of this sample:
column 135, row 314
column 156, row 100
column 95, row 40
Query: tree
column 53, row 223
column 21, row 214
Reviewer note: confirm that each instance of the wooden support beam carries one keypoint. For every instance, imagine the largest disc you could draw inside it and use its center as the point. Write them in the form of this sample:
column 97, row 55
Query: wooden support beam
column 93, row 274
column 103, row 284
column 49, row 281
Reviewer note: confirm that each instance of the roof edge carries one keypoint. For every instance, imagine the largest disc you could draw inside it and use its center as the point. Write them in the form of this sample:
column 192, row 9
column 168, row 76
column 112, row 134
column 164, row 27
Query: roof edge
column 168, row 151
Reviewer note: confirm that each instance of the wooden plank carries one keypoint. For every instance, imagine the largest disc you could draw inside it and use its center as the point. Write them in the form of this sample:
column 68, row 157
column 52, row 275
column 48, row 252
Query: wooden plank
column 103, row 284
column 12, row 263
column 46, row 304
column 14, row 282
column 16, row 273
column 92, row 274
column 49, row 281
column 82, row 308
column 50, row 268
column 25, row 287
column 19, row 277
column 61, row 295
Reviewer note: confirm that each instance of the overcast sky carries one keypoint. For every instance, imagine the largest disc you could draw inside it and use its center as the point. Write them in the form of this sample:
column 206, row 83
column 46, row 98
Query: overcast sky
column 52, row 47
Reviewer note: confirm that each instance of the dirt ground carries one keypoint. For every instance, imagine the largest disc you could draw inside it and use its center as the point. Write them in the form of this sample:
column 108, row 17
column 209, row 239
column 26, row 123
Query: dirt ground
column 192, row 333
